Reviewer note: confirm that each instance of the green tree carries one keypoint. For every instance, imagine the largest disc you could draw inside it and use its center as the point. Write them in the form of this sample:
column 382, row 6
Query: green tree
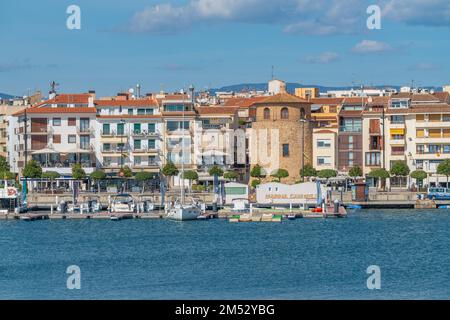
column 215, row 171
column 355, row 172
column 97, row 176
column 381, row 174
column 78, row 172
column 170, row 170
column 8, row 175
column 280, row 174
column 257, row 172
column 255, row 182
column 126, row 172
column 32, row 170
column 51, row 175
column 143, row 176
column 399, row 169
column 308, row 171
column 444, row 168
column 231, row 175
column 419, row 175
column 4, row 166
column 327, row 173
column 190, row 175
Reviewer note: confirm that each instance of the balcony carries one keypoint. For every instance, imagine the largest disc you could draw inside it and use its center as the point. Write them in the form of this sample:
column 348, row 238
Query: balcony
column 146, row 151
column 397, row 142
column 41, row 130
column 113, row 133
column 85, row 130
column 350, row 129
column 145, row 133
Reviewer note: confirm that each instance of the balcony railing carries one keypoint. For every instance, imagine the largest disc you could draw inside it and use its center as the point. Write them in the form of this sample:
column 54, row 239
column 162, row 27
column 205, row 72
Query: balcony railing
column 145, row 133
column 349, row 129
column 113, row 133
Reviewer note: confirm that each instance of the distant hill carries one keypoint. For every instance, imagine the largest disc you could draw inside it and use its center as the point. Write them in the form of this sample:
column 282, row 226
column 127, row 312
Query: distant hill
column 5, row 96
column 292, row 85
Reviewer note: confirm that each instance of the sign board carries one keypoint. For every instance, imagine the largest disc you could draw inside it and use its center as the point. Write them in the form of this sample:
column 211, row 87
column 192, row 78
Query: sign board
column 278, row 193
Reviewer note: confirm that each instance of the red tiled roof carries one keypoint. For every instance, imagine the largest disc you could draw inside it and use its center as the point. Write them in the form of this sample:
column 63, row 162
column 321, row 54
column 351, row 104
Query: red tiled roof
column 49, row 110
column 217, row 110
column 283, row 98
column 442, row 96
column 67, row 98
column 327, row 101
column 126, row 103
column 324, row 131
column 354, row 100
column 243, row 102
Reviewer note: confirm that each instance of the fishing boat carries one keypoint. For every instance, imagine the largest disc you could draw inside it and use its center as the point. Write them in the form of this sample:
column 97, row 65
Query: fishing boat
column 91, row 204
column 122, row 203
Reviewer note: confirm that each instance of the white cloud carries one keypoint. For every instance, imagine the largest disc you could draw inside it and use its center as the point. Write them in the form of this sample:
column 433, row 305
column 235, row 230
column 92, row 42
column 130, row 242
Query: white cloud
column 317, row 17
column 323, row 58
column 371, row 46
column 418, row 12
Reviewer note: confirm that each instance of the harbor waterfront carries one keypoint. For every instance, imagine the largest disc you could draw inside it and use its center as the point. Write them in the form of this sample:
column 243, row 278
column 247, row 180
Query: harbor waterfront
column 214, row 259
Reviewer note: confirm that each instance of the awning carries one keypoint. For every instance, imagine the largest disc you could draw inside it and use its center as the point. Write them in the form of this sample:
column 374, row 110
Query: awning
column 397, row 131
column 212, row 153
column 45, row 151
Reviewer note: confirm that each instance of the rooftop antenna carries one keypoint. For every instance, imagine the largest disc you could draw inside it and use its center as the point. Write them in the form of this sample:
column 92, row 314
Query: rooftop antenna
column 138, row 90
column 53, row 86
column 273, row 77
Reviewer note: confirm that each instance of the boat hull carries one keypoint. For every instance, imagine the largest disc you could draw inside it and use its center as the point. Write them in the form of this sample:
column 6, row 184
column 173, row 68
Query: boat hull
column 183, row 214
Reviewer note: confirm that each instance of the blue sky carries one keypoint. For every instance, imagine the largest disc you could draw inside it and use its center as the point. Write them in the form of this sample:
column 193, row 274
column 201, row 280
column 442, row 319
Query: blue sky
column 211, row 43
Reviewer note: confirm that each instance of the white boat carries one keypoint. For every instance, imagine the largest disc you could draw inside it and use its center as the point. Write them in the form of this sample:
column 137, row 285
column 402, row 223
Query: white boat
column 122, row 203
column 183, row 212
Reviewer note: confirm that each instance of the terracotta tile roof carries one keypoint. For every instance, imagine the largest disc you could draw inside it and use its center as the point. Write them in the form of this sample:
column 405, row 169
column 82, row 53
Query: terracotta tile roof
column 216, row 110
column 415, row 97
column 354, row 100
column 67, row 98
column 243, row 102
column 442, row 96
column 327, row 101
column 283, row 98
column 126, row 103
column 49, row 110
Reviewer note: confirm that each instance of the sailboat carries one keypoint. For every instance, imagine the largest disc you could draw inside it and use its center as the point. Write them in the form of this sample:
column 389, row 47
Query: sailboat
column 181, row 211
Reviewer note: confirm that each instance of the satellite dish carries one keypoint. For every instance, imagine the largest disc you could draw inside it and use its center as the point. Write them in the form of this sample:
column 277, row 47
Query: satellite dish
column 131, row 90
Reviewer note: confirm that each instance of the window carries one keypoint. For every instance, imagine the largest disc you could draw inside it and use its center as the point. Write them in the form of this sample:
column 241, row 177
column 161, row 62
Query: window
column 285, row 113
column 71, row 138
column 72, row 122
column 323, row 143
column 266, row 113
column 106, row 128
column 137, row 128
column 84, row 142
column 350, row 155
column 420, row 149
column 446, row 117
column 151, row 127
column 286, row 150
column 56, row 122
column 137, row 144
column 420, row 117
column 174, row 107
column 84, row 124
column 446, row 148
column 398, row 119
column 398, row 151
column 397, row 136
column 177, row 125
column 323, row 161
column 141, row 112
column 434, row 148
column 434, row 117
column 420, row 133
column 120, row 128
column 149, row 111
column 399, row 104
column 56, row 138
column 373, row 159
column 350, row 124
column 137, row 160
column 106, row 147
column 130, row 112
column 121, row 146
column 152, row 144
column 434, row 133
column 151, row 160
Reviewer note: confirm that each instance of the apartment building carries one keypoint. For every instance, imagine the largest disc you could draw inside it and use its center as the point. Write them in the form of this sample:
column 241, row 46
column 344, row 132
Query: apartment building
column 129, row 132
column 418, row 132
column 57, row 133
column 214, row 140
column 324, row 117
column 350, row 134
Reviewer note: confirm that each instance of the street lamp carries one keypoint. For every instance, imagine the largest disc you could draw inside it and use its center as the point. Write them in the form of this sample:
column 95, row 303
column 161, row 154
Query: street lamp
column 303, row 121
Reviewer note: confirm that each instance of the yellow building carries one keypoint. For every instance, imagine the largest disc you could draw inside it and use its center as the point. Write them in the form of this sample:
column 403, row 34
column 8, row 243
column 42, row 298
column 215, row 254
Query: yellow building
column 307, row 93
column 446, row 89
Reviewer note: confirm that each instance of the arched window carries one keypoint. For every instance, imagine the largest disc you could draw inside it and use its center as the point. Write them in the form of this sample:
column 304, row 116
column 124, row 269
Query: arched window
column 302, row 114
column 285, row 113
column 266, row 113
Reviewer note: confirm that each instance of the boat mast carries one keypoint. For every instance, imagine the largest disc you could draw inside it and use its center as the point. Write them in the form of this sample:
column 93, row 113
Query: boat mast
column 182, row 157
